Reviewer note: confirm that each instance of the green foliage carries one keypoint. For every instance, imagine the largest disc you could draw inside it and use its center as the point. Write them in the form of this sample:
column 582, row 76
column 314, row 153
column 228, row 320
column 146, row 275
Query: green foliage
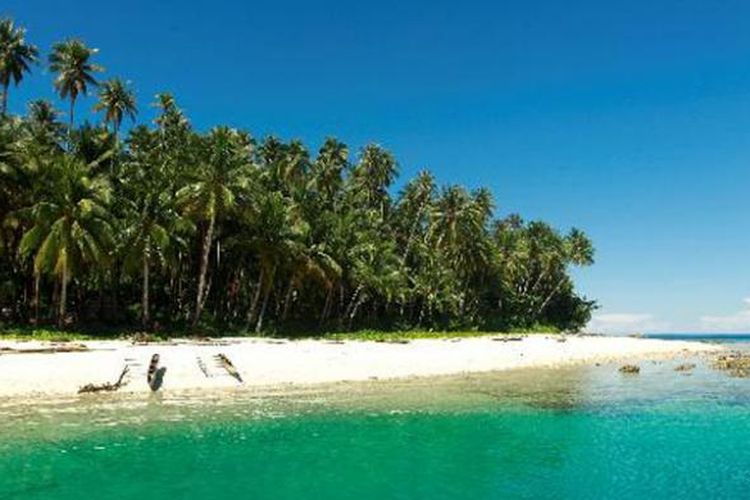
column 401, row 336
column 45, row 334
column 216, row 233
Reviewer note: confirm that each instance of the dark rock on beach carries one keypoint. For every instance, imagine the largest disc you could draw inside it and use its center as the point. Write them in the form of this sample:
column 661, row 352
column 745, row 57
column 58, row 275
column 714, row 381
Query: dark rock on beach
column 630, row 369
column 685, row 367
column 736, row 364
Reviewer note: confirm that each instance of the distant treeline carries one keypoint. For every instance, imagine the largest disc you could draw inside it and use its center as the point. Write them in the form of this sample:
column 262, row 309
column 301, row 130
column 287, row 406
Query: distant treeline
column 171, row 228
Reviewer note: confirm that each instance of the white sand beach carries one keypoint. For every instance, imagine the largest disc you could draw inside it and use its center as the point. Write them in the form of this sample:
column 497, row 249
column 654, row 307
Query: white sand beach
column 270, row 362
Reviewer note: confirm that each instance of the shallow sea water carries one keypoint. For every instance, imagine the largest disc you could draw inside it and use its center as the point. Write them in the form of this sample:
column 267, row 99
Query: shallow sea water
column 583, row 432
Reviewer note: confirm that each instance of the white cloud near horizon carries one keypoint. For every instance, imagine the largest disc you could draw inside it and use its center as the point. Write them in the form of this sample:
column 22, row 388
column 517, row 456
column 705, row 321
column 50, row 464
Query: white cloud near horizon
column 625, row 323
column 738, row 322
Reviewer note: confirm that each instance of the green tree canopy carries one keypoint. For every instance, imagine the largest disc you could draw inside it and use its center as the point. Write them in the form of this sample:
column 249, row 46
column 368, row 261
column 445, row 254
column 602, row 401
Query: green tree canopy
column 173, row 227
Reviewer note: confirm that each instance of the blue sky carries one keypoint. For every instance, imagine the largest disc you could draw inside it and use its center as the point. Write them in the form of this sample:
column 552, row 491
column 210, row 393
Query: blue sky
column 629, row 119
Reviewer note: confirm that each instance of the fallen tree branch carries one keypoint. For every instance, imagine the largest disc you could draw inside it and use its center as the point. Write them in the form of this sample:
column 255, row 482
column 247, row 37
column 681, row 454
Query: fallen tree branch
column 106, row 387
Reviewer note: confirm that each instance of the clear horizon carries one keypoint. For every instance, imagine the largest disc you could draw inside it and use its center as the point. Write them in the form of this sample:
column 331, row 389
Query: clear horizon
column 626, row 119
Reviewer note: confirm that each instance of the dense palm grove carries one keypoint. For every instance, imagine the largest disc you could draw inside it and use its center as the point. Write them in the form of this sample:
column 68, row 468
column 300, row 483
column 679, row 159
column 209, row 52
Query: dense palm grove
column 170, row 228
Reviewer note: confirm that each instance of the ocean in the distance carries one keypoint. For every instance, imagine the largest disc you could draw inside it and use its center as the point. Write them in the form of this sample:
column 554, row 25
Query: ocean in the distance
column 733, row 338
column 578, row 433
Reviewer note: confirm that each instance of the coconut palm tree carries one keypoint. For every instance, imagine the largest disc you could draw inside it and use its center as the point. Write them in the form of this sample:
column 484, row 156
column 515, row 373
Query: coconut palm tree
column 375, row 271
column 18, row 181
column 372, row 176
column 274, row 235
column 285, row 166
column 117, row 101
column 413, row 208
column 148, row 237
column 224, row 173
column 573, row 249
column 42, row 118
column 328, row 169
column 69, row 225
column 71, row 60
column 152, row 225
column 16, row 57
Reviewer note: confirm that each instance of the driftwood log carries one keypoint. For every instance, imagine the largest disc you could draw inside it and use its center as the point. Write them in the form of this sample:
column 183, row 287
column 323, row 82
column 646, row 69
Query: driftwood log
column 106, row 387
column 45, row 350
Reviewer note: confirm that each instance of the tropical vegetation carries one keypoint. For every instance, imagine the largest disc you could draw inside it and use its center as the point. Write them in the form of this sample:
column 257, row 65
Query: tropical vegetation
column 162, row 226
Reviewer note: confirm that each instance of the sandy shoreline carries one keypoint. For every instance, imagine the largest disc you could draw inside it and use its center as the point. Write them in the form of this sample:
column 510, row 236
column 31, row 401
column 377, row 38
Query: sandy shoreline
column 267, row 362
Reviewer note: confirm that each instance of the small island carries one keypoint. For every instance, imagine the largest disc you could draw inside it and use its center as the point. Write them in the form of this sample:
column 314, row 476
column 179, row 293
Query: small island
column 203, row 294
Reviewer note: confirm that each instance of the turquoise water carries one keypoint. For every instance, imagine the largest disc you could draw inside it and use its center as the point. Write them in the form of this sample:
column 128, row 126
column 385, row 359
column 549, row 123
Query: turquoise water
column 574, row 433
